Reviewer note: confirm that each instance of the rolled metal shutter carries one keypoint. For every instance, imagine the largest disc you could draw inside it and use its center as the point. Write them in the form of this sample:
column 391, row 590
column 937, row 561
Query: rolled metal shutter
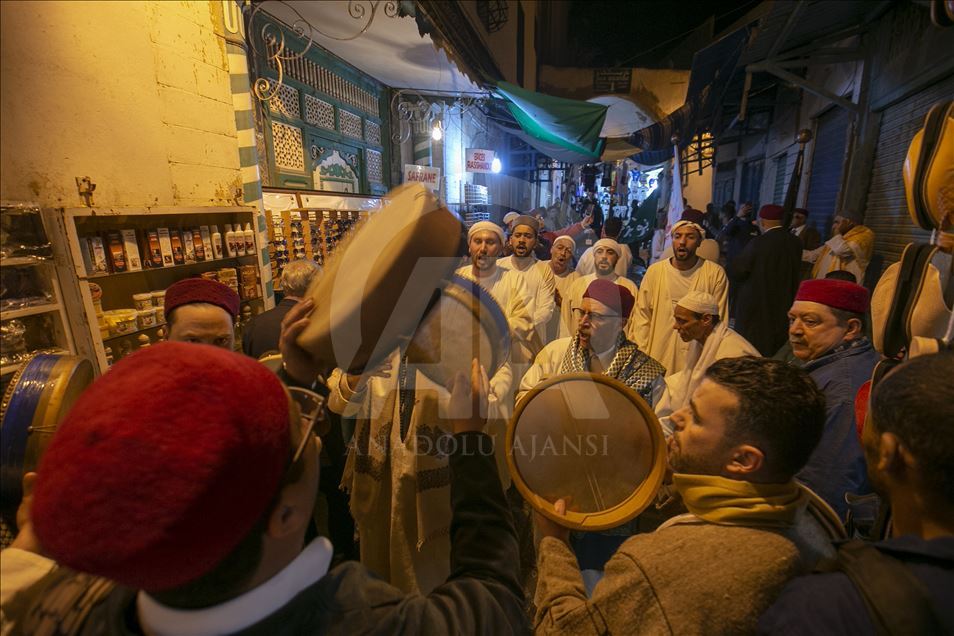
column 887, row 212
column 828, row 161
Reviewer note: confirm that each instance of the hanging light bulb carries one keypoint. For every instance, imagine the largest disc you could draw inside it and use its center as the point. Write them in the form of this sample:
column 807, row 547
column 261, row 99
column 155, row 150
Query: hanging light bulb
column 495, row 165
column 436, row 133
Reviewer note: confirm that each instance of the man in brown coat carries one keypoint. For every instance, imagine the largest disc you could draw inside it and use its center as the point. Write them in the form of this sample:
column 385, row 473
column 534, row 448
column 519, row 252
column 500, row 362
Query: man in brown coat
column 750, row 426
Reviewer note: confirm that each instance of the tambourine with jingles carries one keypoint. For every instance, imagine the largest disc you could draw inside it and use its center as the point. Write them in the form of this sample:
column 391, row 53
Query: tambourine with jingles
column 392, row 285
column 591, row 440
column 37, row 399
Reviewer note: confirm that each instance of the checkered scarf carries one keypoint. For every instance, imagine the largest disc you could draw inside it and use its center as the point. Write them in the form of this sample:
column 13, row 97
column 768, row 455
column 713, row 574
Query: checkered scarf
column 630, row 365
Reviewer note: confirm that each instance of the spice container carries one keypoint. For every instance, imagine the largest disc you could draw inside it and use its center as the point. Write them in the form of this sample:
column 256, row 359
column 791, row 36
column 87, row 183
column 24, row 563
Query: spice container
column 146, row 318
column 159, row 298
column 143, row 301
column 121, row 321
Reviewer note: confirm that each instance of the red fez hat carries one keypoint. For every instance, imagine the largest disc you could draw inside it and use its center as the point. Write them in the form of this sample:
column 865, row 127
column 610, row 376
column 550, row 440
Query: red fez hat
column 771, row 212
column 163, row 465
column 801, row 211
column 839, row 294
column 614, row 296
column 201, row 290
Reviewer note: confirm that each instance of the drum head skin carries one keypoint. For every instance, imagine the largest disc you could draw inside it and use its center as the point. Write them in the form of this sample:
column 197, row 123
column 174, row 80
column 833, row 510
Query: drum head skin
column 592, row 440
column 36, row 401
column 465, row 323
column 373, row 292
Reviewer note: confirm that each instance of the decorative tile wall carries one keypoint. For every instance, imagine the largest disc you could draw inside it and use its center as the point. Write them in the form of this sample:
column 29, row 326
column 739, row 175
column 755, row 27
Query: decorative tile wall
column 319, row 112
column 375, row 167
column 285, row 101
column 349, row 124
column 287, row 141
column 372, row 132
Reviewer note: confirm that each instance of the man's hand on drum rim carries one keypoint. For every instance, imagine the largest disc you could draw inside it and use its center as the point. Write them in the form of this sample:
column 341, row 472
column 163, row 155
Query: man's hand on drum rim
column 298, row 363
column 468, row 401
column 547, row 527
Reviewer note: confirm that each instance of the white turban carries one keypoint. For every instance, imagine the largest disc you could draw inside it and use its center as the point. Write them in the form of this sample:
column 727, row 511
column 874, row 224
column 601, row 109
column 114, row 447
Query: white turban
column 481, row 226
column 568, row 239
column 684, row 223
column 510, row 216
column 700, row 302
column 609, row 244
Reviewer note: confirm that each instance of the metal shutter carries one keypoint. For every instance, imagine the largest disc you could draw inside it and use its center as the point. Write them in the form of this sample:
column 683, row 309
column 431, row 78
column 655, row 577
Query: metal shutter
column 828, row 160
column 887, row 212
column 781, row 173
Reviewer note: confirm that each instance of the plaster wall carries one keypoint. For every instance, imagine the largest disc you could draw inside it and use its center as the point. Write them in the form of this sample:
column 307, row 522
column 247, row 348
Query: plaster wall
column 502, row 44
column 135, row 95
column 656, row 93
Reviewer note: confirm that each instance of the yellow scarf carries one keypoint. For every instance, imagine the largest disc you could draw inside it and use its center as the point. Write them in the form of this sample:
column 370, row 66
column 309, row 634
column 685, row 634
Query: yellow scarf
column 740, row 503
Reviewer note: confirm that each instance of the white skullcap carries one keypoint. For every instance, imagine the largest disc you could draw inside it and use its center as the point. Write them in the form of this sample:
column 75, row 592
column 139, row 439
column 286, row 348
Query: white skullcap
column 510, row 216
column 568, row 239
column 700, row 302
column 684, row 223
column 608, row 243
column 481, row 226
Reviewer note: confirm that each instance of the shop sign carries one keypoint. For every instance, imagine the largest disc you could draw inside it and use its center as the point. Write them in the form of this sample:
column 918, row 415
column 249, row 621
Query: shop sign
column 612, row 80
column 478, row 160
column 431, row 177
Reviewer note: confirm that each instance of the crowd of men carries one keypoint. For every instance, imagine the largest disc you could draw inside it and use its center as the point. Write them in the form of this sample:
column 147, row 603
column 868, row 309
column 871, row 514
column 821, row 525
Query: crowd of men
column 179, row 495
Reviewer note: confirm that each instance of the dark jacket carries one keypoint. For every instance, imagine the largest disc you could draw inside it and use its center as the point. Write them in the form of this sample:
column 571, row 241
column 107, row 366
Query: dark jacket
column 810, row 239
column 260, row 335
column 837, row 465
column 482, row 596
column 766, row 275
column 737, row 233
column 831, row 604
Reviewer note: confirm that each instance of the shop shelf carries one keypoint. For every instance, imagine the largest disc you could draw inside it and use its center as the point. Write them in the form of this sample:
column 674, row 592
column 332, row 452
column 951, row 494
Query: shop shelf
column 153, row 328
column 13, row 261
column 29, row 311
column 227, row 259
column 7, row 369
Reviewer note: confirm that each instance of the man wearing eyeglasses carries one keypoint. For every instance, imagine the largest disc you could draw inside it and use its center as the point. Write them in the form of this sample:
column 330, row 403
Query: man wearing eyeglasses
column 188, row 476
column 600, row 346
column 606, row 253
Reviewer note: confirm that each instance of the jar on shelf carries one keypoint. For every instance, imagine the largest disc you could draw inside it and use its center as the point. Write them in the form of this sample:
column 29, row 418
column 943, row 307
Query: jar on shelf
column 121, row 321
column 143, row 301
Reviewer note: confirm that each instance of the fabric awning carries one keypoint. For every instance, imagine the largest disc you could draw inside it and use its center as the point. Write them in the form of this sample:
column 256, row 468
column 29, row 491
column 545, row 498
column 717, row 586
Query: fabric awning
column 556, row 125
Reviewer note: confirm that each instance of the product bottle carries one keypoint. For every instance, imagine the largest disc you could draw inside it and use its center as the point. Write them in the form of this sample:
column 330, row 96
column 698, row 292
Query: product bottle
column 239, row 240
column 197, row 245
column 230, row 240
column 216, row 242
column 178, row 250
column 249, row 239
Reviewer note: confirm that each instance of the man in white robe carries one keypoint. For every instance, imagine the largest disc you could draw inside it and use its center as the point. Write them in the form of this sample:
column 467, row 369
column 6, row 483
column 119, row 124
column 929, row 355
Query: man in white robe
column 611, row 229
column 696, row 318
column 536, row 274
column 664, row 285
column 485, row 241
column 561, row 264
column 606, row 254
column 600, row 346
column 396, row 474
column 850, row 248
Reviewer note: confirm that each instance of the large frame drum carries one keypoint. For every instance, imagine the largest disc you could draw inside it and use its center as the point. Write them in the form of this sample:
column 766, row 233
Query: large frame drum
column 592, row 440
column 393, row 281
column 37, row 399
